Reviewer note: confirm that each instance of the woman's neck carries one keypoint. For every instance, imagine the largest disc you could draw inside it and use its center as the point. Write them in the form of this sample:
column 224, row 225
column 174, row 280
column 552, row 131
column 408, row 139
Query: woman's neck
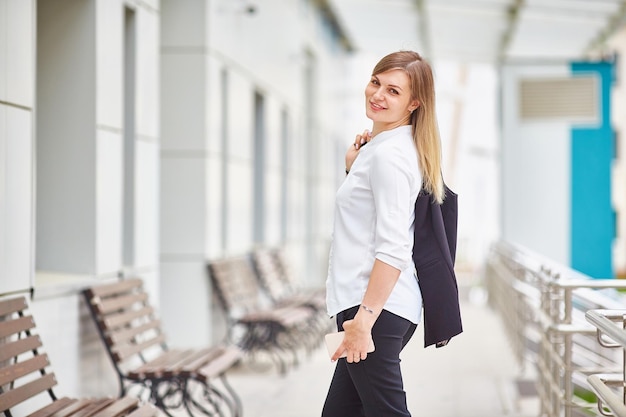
column 382, row 127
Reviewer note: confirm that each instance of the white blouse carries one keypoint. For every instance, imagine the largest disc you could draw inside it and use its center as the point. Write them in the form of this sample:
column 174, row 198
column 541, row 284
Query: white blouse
column 374, row 219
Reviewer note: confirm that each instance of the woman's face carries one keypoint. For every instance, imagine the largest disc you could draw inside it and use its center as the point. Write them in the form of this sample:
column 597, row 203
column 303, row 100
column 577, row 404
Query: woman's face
column 388, row 98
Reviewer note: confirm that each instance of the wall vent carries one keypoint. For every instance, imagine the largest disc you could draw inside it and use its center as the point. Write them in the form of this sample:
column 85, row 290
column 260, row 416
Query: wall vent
column 573, row 98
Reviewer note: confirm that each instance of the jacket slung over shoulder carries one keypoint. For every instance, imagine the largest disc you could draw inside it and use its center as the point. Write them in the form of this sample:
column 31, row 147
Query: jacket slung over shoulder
column 434, row 251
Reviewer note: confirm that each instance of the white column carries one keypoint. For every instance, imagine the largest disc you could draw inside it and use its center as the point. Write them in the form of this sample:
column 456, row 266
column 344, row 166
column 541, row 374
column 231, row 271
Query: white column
column 618, row 179
column 17, row 80
column 185, row 161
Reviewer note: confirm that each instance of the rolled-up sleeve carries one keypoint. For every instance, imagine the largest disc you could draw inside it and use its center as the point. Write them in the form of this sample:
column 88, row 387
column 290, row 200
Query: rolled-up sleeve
column 390, row 181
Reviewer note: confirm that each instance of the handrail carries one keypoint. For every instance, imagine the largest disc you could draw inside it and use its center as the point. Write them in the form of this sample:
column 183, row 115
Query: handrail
column 603, row 320
column 606, row 323
column 595, row 284
column 543, row 304
column 599, row 383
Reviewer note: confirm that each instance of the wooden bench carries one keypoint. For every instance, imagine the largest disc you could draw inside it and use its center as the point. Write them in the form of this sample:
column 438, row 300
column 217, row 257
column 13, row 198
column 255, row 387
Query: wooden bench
column 316, row 296
column 26, row 382
column 276, row 278
column 256, row 326
column 271, row 273
column 176, row 379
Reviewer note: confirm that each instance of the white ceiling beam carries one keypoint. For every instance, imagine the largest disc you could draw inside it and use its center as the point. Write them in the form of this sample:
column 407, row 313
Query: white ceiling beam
column 424, row 28
column 513, row 14
column 615, row 23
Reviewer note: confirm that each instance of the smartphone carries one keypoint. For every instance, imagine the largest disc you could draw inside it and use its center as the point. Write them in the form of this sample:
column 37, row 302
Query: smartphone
column 333, row 340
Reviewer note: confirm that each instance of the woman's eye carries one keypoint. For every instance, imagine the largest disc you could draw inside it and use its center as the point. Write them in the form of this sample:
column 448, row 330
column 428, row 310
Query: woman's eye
column 393, row 91
column 374, row 81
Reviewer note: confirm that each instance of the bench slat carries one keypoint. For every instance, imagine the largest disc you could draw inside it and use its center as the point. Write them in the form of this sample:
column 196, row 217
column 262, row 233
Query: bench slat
column 241, row 292
column 18, row 370
column 104, row 290
column 122, row 353
column 123, row 335
column 125, row 302
column 18, row 394
column 75, row 408
column 158, row 366
column 119, row 407
column 12, row 305
column 12, row 349
column 286, row 317
column 121, row 319
column 216, row 367
column 192, row 356
column 194, row 361
column 269, row 274
column 209, row 362
column 166, row 358
column 84, row 407
column 146, row 410
column 11, row 327
column 54, row 408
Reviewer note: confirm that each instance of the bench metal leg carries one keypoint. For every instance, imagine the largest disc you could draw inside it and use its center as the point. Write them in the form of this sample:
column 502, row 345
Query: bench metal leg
column 237, row 405
column 207, row 400
column 167, row 394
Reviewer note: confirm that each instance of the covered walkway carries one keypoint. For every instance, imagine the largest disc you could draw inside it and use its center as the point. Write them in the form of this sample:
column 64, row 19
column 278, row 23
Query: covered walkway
column 196, row 130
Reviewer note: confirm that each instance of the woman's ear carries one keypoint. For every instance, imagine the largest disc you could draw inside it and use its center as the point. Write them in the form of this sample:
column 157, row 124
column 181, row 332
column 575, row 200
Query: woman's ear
column 414, row 105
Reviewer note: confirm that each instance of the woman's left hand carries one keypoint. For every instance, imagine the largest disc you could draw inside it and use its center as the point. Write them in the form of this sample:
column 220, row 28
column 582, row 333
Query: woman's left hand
column 353, row 150
column 357, row 339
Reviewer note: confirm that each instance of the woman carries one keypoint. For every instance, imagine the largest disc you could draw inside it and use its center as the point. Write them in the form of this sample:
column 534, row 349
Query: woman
column 372, row 285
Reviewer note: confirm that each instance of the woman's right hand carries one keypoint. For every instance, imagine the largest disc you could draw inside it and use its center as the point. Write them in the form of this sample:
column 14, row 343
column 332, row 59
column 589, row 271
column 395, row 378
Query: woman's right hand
column 353, row 150
column 357, row 339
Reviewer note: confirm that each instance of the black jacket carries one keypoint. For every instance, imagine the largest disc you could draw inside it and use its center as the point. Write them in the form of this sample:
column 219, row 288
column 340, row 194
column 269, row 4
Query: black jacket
column 434, row 250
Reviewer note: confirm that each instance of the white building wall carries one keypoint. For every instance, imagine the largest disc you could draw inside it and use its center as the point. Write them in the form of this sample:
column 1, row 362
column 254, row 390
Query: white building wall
column 65, row 62
column 468, row 121
column 216, row 57
column 535, row 171
column 239, row 162
column 17, row 85
column 618, row 108
column 273, row 167
column 65, row 132
column 81, row 175
column 145, row 202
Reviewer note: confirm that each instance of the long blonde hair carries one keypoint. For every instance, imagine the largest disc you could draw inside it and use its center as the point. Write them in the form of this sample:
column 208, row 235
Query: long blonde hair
column 423, row 119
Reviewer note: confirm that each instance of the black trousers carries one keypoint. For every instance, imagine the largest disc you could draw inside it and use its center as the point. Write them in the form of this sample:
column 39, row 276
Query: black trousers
column 373, row 387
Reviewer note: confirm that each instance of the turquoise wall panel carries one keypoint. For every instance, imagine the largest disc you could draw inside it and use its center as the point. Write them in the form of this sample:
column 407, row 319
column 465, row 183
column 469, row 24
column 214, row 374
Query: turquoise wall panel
column 592, row 215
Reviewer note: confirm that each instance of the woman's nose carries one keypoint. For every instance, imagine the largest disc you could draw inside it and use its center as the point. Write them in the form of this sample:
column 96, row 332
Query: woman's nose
column 378, row 94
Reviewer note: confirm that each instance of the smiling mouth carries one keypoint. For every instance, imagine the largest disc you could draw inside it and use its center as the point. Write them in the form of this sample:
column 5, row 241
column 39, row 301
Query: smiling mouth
column 376, row 106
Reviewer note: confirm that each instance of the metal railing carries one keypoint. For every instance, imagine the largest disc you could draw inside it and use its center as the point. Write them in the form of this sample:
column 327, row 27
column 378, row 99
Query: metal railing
column 543, row 305
column 610, row 388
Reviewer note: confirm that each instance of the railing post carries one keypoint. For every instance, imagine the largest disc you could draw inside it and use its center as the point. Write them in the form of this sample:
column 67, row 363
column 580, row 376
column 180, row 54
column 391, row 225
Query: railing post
column 624, row 364
column 567, row 355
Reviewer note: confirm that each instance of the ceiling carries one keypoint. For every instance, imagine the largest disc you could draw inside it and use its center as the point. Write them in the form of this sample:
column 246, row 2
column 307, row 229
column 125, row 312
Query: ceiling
column 481, row 30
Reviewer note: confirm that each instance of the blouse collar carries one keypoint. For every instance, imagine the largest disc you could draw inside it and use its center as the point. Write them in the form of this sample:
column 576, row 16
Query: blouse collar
column 392, row 132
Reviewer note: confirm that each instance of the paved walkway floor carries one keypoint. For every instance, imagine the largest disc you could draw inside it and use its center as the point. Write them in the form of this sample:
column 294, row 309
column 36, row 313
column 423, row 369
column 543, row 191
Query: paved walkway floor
column 474, row 376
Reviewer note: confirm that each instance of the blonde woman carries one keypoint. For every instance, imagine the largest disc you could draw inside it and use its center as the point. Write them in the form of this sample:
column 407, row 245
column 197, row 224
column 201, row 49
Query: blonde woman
column 372, row 286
